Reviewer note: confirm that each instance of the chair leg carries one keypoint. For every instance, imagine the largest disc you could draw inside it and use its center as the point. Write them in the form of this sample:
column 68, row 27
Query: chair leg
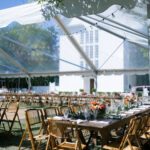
column 23, row 137
column 12, row 123
column 2, row 116
column 7, row 120
column 19, row 123
column 48, row 143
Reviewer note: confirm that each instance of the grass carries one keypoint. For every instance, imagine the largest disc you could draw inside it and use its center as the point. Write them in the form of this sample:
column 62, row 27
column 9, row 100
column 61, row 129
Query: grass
column 11, row 140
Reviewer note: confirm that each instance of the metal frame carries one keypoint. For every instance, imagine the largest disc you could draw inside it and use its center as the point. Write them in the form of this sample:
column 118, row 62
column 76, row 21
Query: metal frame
column 122, row 25
column 107, row 30
column 131, row 71
column 14, row 62
column 75, row 43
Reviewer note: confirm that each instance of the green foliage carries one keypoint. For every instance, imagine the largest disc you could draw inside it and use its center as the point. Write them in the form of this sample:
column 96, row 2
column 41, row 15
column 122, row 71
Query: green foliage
column 93, row 90
column 81, row 90
column 21, row 82
column 50, row 7
column 38, row 41
column 55, row 2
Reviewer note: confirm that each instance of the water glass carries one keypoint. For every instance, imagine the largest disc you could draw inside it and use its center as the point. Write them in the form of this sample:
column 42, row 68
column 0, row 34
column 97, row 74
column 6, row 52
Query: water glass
column 86, row 114
column 95, row 113
column 66, row 114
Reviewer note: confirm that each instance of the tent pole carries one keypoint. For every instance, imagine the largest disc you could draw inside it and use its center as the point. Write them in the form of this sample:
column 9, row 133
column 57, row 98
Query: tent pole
column 28, row 79
column 100, row 27
column 106, row 30
column 122, row 25
column 74, row 42
column 13, row 61
column 117, row 27
column 96, row 82
column 148, row 29
column 149, row 48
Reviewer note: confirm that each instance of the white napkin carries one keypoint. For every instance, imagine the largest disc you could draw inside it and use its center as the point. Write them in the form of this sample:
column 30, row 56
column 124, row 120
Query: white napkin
column 144, row 106
column 100, row 122
column 80, row 121
column 123, row 115
column 58, row 118
column 140, row 108
column 136, row 110
column 129, row 112
column 104, row 122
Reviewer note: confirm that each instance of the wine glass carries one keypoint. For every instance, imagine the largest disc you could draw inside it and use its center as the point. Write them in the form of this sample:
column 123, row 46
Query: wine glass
column 86, row 114
column 66, row 114
column 108, row 111
column 95, row 113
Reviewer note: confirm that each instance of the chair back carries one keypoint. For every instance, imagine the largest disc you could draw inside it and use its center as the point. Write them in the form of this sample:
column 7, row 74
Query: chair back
column 50, row 111
column 13, row 107
column 64, row 109
column 34, row 116
column 76, row 108
column 144, row 123
column 57, row 130
column 4, row 104
column 131, row 130
column 136, row 123
column 35, row 127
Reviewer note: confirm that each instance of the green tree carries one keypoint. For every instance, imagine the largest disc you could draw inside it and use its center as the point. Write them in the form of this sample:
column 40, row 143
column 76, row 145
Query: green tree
column 40, row 46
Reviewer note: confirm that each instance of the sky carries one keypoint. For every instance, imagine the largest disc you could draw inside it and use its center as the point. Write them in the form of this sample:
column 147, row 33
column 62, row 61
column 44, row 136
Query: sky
column 10, row 3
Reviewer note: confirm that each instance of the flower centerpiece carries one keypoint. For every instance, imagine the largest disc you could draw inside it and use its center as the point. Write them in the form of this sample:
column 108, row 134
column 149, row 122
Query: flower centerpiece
column 98, row 109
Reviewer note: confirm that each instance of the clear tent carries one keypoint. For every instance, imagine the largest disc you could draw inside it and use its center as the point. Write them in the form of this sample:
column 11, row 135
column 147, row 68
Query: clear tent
column 20, row 59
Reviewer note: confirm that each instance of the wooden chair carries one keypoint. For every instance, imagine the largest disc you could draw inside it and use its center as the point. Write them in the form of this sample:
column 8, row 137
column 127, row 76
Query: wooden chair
column 59, row 140
column 147, row 127
column 64, row 109
column 144, row 133
column 3, row 108
column 76, row 108
column 35, row 128
column 128, row 138
column 50, row 111
column 11, row 115
column 57, row 101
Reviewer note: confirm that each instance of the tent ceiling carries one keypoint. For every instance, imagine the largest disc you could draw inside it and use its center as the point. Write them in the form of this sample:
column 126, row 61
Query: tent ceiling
column 130, row 24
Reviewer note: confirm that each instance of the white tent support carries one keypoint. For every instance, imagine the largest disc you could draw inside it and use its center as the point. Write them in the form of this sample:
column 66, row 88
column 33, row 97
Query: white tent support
column 122, row 25
column 29, row 48
column 136, row 43
column 75, row 43
column 15, row 42
column 14, row 62
column 133, row 71
column 28, row 80
column 104, row 29
column 117, row 27
column 148, row 6
column 100, row 27
column 9, row 67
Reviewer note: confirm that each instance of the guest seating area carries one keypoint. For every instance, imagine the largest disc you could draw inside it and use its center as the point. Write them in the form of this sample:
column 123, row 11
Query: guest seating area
column 81, row 129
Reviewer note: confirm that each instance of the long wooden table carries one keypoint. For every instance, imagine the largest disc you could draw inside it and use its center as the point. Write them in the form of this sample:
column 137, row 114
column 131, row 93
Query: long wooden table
column 104, row 128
